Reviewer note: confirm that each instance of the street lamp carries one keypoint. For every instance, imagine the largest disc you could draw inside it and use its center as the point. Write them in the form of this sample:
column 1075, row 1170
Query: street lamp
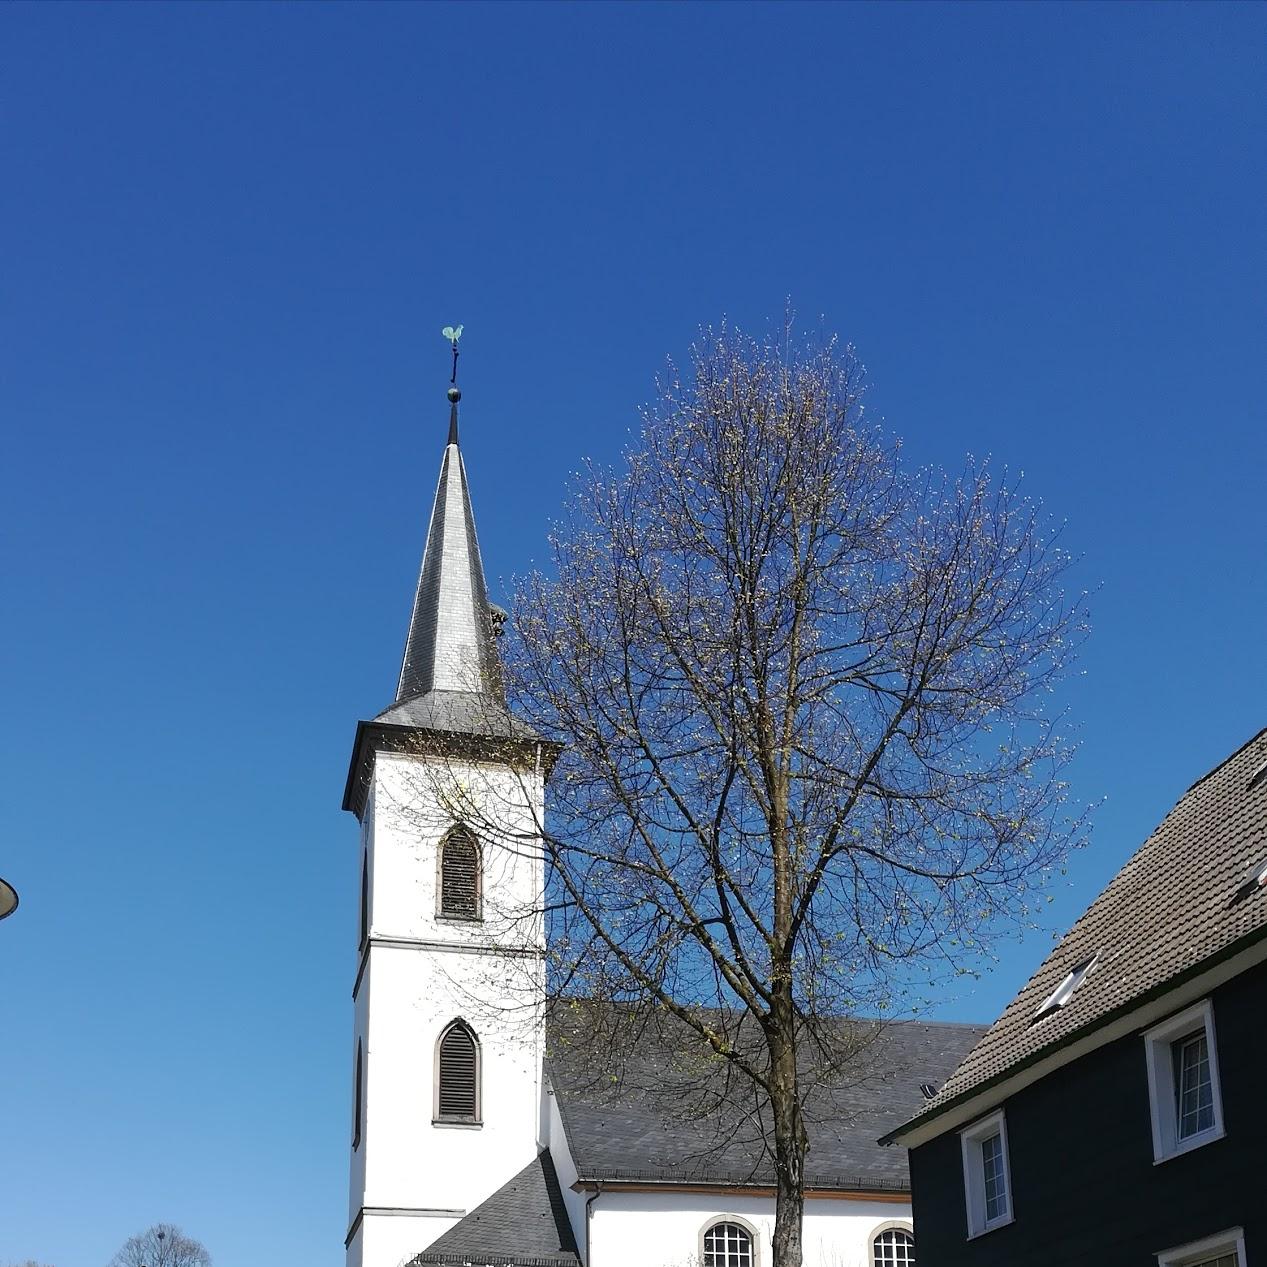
column 8, row 899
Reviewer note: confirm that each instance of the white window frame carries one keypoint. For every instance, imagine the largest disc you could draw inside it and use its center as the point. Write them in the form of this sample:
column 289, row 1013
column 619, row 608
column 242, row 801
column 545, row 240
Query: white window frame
column 1230, row 1242
column 893, row 1225
column 1159, row 1055
column 970, row 1140
column 754, row 1236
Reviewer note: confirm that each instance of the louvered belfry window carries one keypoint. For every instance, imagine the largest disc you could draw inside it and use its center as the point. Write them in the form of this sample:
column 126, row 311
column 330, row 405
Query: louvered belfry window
column 460, row 875
column 365, row 897
column 358, row 1098
column 458, row 1089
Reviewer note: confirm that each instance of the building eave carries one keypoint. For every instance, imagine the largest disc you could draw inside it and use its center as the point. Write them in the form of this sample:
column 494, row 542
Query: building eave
column 1168, row 996
column 858, row 1190
column 376, row 736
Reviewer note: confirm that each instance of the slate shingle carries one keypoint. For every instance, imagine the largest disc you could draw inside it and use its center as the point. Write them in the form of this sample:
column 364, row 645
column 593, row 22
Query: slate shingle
column 661, row 1122
column 523, row 1224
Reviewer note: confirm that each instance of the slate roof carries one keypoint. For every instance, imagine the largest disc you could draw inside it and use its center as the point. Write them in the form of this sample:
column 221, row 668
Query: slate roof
column 1178, row 906
column 523, row 1224
column 451, row 646
column 450, row 686
column 660, row 1119
column 457, row 713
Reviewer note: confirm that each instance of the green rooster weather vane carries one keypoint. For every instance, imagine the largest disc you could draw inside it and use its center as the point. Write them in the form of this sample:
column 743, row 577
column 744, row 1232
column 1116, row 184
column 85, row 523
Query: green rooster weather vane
column 453, row 334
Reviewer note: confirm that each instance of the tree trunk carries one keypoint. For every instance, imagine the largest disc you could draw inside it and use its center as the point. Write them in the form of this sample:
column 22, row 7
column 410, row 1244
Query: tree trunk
column 790, row 1141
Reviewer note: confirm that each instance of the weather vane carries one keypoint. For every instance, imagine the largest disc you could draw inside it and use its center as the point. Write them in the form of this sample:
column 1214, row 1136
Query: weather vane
column 453, row 334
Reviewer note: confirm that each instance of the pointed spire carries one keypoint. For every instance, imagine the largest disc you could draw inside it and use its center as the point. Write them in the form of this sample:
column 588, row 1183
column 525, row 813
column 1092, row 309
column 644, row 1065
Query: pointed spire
column 451, row 643
column 450, row 690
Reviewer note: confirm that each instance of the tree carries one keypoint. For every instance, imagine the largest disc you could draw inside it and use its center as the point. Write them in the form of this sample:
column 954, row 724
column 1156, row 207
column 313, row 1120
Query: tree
column 797, row 688
column 162, row 1246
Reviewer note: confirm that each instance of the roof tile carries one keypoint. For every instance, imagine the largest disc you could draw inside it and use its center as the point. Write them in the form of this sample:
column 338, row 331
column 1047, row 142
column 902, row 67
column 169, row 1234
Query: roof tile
column 1178, row 902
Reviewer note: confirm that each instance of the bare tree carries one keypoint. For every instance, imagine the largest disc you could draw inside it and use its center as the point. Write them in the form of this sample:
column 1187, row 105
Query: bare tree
column 162, row 1246
column 798, row 692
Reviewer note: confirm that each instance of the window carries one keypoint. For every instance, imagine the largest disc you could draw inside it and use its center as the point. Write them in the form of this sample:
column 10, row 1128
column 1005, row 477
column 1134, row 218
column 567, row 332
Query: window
column 986, row 1181
column 728, row 1245
column 1064, row 991
column 365, row 897
column 893, row 1246
column 1183, row 1082
column 1227, row 1249
column 358, row 1097
column 458, row 1075
column 460, row 875
column 1255, row 879
column 1194, row 1096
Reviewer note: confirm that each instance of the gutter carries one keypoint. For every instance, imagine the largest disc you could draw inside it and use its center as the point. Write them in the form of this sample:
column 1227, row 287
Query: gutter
column 872, row 1190
column 598, row 1192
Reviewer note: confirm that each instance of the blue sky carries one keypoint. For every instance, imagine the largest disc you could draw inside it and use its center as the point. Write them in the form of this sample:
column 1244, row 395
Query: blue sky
column 232, row 235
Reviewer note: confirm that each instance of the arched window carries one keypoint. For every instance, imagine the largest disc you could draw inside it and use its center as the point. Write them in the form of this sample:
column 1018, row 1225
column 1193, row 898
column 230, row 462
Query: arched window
column 460, row 875
column 728, row 1245
column 365, row 897
column 893, row 1246
column 458, row 1075
column 358, row 1098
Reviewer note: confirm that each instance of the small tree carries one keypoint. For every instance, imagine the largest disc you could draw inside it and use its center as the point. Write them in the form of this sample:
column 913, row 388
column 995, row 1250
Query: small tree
column 798, row 693
column 162, row 1246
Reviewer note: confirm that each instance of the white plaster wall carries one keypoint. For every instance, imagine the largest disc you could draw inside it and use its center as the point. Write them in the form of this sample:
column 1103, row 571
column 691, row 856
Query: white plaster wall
column 356, row 1187
column 664, row 1229
column 409, row 1160
column 556, row 1140
column 424, row 971
column 416, row 800
column 393, row 1239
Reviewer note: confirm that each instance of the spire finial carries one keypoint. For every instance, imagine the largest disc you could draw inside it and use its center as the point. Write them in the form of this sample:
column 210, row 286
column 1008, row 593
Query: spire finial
column 453, row 334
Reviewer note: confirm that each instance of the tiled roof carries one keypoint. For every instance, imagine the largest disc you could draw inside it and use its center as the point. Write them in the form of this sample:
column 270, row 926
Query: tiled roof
column 1176, row 906
column 523, row 1224
column 660, row 1116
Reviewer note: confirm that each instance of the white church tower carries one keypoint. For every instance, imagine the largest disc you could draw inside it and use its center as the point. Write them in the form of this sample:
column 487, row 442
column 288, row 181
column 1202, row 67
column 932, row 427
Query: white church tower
column 448, row 788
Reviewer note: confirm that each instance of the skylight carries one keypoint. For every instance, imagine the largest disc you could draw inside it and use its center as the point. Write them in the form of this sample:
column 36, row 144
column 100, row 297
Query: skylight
column 1255, row 877
column 1064, row 991
column 1257, row 777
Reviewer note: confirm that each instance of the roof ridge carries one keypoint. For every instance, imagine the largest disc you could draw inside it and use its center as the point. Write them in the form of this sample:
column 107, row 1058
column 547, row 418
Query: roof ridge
column 1132, row 858
column 1226, row 761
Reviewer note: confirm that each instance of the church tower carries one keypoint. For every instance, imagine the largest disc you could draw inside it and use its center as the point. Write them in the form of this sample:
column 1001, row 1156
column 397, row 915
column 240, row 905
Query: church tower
column 448, row 788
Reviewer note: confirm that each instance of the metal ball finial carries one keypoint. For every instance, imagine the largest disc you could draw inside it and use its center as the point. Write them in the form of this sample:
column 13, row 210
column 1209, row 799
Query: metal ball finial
column 454, row 394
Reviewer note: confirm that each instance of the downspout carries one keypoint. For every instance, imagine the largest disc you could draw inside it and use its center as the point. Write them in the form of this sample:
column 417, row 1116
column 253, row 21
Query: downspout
column 598, row 1192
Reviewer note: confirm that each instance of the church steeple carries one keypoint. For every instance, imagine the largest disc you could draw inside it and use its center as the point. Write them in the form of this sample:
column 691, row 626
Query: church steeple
column 450, row 695
column 451, row 638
